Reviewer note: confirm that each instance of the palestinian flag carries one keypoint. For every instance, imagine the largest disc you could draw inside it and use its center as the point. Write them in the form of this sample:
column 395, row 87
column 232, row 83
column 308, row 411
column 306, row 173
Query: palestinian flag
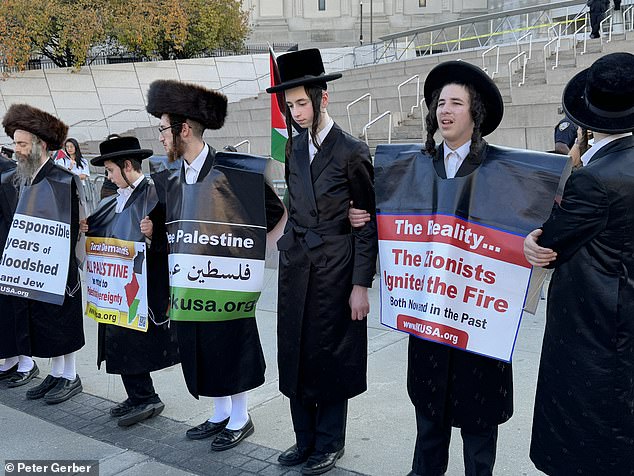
column 279, row 135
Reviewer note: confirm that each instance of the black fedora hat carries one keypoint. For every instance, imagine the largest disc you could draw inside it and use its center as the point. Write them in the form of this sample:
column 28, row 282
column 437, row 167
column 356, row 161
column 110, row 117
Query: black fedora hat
column 120, row 148
column 601, row 97
column 460, row 72
column 300, row 68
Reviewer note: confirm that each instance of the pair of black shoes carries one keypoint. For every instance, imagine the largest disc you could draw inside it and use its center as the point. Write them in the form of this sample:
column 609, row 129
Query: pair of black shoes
column 225, row 438
column 17, row 379
column 317, row 462
column 130, row 414
column 55, row 389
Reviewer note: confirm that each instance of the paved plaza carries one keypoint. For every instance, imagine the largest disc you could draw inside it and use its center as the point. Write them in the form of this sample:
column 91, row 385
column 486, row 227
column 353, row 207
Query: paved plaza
column 380, row 434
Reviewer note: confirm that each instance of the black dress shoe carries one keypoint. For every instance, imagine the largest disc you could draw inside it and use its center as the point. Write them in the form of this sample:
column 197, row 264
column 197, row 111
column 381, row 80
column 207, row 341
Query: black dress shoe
column 64, row 390
column 22, row 378
column 141, row 412
column 294, row 456
column 5, row 374
column 122, row 408
column 206, row 429
column 43, row 388
column 230, row 438
column 320, row 463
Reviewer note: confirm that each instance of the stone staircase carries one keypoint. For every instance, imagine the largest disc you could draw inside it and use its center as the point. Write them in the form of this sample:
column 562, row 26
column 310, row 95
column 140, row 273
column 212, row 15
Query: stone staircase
column 531, row 110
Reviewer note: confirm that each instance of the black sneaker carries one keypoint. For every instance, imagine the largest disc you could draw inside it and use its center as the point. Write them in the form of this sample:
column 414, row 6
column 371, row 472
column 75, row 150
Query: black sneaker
column 43, row 388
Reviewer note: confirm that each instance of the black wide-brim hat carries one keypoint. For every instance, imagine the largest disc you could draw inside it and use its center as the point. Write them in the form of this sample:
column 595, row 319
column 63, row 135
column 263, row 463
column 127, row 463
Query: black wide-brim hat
column 120, row 148
column 601, row 97
column 460, row 72
column 299, row 68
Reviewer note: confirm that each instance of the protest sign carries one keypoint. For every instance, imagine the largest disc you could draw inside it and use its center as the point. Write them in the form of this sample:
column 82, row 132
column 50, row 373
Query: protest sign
column 116, row 282
column 217, row 252
column 451, row 251
column 35, row 258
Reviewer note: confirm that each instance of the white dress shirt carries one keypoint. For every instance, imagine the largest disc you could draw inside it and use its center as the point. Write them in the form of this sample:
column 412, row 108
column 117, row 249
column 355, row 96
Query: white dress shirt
column 585, row 158
column 123, row 194
column 321, row 135
column 192, row 171
column 455, row 158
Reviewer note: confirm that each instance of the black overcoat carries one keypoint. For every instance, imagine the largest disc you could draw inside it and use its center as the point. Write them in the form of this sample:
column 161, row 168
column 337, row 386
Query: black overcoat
column 322, row 352
column 8, row 200
column 584, row 406
column 48, row 330
column 127, row 351
column 452, row 386
column 220, row 358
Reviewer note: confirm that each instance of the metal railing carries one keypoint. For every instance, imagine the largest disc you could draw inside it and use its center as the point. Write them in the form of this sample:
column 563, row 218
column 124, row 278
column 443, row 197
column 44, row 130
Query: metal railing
column 246, row 142
column 251, row 80
column 400, row 99
column 528, row 35
column 584, row 28
column 374, row 121
column 497, row 60
column 628, row 13
column 366, row 95
column 607, row 19
column 521, row 65
column 91, row 122
column 478, row 31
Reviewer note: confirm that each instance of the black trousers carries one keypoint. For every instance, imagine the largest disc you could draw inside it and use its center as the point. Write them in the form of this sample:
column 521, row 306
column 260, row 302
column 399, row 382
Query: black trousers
column 431, row 455
column 140, row 388
column 321, row 426
column 595, row 21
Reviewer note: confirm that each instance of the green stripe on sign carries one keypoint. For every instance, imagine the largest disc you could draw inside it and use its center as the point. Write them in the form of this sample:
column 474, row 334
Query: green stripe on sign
column 278, row 145
column 204, row 305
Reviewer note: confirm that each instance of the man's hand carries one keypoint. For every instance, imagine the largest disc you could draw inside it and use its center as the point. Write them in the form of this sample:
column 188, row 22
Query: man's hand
column 147, row 227
column 357, row 217
column 535, row 254
column 359, row 302
column 83, row 225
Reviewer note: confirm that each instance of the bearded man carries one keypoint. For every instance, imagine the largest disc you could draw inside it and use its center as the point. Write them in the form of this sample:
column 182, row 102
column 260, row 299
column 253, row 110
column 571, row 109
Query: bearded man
column 45, row 326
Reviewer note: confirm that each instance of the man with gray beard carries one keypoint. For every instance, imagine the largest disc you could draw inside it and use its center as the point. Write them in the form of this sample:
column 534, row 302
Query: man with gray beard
column 50, row 324
column 28, row 165
column 13, row 363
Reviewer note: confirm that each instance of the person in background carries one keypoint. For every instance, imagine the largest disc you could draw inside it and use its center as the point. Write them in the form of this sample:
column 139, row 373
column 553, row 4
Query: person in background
column 72, row 159
column 565, row 136
column 597, row 10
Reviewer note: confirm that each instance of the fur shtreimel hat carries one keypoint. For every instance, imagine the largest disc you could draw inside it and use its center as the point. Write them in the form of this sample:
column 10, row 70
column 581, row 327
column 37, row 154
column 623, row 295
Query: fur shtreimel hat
column 40, row 123
column 601, row 97
column 206, row 106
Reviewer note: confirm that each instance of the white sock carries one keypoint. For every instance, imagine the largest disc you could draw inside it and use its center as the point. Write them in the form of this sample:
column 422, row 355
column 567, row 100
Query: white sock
column 222, row 409
column 26, row 363
column 8, row 363
column 57, row 366
column 70, row 372
column 239, row 411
